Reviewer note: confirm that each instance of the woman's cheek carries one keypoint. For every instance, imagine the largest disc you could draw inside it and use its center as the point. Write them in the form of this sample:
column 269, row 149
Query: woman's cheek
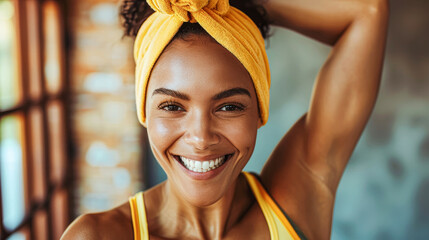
column 241, row 132
column 163, row 132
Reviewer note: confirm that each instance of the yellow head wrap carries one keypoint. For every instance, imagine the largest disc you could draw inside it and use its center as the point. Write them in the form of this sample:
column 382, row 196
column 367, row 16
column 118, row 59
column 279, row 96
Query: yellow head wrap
column 230, row 27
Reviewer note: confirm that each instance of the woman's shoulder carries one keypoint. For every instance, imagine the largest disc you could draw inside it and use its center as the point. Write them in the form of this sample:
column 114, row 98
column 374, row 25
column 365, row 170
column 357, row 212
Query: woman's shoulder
column 115, row 223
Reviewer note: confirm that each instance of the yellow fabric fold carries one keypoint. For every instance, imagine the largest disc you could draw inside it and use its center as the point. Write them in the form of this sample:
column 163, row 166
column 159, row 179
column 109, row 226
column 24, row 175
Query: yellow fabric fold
column 230, row 27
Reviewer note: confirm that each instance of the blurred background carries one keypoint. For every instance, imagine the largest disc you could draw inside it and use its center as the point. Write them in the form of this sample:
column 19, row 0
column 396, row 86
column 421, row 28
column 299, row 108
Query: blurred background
column 70, row 142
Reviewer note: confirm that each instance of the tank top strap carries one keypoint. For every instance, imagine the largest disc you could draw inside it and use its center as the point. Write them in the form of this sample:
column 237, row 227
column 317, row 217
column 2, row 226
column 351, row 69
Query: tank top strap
column 278, row 224
column 138, row 214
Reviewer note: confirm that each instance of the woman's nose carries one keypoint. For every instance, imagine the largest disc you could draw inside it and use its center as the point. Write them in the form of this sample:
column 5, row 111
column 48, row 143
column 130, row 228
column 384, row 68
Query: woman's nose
column 200, row 132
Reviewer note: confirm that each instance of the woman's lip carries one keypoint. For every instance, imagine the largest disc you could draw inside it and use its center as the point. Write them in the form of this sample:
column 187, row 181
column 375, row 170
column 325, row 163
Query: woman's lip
column 202, row 158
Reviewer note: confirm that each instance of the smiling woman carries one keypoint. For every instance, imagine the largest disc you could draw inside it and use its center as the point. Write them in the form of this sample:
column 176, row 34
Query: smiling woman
column 219, row 121
column 202, row 92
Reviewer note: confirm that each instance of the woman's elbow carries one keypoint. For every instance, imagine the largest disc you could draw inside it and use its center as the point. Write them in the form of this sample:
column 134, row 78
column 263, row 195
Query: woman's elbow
column 379, row 8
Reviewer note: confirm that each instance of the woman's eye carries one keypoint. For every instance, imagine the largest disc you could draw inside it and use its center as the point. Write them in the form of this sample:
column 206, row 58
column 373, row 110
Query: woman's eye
column 170, row 107
column 231, row 108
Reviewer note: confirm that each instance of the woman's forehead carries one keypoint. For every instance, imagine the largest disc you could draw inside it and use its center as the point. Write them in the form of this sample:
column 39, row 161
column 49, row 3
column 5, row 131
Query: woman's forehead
column 199, row 63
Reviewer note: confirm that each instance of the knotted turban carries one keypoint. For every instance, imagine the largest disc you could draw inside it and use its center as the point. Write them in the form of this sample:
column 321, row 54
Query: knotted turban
column 230, row 27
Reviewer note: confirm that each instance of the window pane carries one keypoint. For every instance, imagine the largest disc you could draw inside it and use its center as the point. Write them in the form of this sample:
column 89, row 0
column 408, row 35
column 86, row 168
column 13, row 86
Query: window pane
column 38, row 155
column 56, row 136
column 52, row 37
column 40, row 225
column 34, row 64
column 59, row 211
column 11, row 165
column 9, row 81
column 17, row 236
column 21, row 235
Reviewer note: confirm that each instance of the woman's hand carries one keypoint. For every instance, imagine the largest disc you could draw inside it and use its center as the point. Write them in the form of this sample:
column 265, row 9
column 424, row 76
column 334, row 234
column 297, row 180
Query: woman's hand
column 304, row 170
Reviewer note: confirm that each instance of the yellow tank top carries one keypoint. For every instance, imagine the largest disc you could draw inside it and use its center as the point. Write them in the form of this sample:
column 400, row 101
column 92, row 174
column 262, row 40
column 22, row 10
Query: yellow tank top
column 278, row 224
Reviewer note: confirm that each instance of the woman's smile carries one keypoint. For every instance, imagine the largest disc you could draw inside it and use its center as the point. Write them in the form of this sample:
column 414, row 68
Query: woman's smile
column 203, row 167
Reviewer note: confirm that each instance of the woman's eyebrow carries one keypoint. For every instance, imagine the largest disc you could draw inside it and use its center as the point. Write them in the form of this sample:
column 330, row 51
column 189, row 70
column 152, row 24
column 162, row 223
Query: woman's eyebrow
column 221, row 95
column 173, row 93
column 231, row 92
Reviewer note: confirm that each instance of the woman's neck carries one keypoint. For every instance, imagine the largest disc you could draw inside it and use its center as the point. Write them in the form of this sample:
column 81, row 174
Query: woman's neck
column 169, row 215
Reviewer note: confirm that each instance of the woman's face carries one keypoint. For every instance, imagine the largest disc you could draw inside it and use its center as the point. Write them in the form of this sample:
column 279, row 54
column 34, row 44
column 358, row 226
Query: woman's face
column 202, row 118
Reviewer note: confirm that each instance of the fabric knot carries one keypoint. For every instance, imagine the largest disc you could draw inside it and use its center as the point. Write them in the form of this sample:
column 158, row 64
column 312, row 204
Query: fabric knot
column 183, row 9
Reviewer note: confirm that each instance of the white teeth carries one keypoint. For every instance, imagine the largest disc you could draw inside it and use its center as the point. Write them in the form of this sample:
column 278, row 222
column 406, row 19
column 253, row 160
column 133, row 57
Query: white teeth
column 197, row 165
column 204, row 166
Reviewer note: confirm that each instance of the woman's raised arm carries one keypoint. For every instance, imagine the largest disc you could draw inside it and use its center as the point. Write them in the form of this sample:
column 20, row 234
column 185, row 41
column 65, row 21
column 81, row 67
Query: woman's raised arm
column 324, row 20
column 344, row 93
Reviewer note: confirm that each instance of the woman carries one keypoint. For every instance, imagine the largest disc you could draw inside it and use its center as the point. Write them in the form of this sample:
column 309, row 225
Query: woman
column 202, row 103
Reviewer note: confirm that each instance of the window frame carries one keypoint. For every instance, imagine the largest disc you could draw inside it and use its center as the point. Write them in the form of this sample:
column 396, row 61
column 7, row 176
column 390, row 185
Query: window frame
column 24, row 108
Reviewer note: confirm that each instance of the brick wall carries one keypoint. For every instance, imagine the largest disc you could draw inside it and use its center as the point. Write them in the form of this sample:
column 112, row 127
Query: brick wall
column 107, row 135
